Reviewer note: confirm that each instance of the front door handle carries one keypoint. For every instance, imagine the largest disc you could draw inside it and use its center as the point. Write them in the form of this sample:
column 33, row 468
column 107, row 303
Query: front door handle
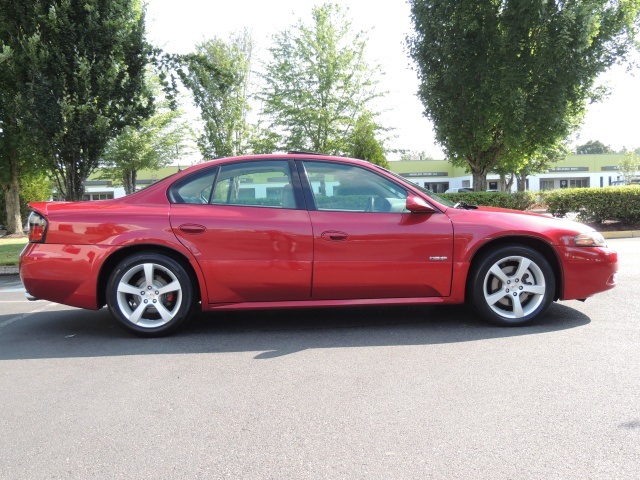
column 334, row 236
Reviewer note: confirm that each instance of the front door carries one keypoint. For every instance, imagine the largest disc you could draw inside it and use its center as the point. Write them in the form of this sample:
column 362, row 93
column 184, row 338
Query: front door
column 366, row 245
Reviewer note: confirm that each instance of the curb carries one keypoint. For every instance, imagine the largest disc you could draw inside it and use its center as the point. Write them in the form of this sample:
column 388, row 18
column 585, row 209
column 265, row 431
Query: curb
column 12, row 270
column 622, row 234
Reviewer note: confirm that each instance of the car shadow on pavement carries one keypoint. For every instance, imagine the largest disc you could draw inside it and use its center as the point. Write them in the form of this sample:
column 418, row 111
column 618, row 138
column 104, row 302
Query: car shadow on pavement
column 270, row 333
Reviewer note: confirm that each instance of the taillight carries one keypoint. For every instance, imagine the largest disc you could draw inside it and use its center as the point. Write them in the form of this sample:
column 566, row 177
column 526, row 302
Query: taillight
column 37, row 227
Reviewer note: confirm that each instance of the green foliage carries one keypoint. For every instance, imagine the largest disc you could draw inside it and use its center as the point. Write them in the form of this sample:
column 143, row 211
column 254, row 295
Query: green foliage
column 33, row 187
column 511, row 79
column 363, row 143
column 80, row 66
column 411, row 155
column 629, row 165
column 514, row 201
column 318, row 83
column 151, row 145
column 223, row 100
column 596, row 204
column 593, row 147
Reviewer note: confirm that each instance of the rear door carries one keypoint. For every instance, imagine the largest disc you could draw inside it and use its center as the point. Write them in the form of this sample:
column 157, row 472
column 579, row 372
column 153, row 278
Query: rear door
column 243, row 224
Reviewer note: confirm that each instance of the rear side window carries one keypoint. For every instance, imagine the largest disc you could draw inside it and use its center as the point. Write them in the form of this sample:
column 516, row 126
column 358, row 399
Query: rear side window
column 258, row 184
column 195, row 189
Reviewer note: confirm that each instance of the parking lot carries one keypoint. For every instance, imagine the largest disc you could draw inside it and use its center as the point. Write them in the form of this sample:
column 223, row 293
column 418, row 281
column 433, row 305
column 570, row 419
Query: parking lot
column 396, row 393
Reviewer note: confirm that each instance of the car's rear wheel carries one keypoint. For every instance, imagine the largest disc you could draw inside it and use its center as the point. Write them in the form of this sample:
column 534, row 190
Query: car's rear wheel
column 150, row 294
column 512, row 286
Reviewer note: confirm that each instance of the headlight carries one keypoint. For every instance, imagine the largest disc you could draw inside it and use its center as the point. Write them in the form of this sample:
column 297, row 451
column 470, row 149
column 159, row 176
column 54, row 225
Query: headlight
column 591, row 239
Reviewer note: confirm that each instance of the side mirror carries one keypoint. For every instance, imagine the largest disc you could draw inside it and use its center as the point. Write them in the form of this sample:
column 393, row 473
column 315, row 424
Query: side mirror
column 417, row 204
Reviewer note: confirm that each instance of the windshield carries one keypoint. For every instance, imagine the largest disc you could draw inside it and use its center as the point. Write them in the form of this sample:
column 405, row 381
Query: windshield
column 427, row 192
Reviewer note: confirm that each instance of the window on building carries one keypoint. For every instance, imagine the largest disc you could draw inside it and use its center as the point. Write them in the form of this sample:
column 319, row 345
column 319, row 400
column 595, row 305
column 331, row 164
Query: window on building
column 546, row 184
column 437, row 187
column 97, row 196
column 579, row 183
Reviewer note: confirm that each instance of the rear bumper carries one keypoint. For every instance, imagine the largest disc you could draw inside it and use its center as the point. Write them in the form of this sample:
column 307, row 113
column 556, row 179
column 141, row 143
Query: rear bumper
column 587, row 271
column 64, row 274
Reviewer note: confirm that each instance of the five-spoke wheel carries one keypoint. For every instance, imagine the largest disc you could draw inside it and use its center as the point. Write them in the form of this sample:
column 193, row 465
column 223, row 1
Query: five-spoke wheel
column 512, row 286
column 150, row 294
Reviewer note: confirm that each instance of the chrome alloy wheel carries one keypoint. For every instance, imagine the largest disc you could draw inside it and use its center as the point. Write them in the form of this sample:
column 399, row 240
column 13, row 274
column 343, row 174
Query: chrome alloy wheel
column 149, row 295
column 514, row 287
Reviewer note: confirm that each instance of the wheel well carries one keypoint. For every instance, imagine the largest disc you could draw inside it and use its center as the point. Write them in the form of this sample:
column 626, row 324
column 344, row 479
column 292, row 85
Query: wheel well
column 539, row 245
column 115, row 258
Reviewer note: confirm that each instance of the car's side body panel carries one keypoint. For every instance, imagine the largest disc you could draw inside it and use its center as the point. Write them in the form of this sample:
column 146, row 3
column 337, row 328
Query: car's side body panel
column 248, row 254
column 66, row 274
column 373, row 255
column 81, row 237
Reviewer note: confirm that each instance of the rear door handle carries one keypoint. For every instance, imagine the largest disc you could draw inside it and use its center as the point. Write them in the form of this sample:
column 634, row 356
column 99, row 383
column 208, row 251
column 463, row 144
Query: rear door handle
column 334, row 236
column 192, row 228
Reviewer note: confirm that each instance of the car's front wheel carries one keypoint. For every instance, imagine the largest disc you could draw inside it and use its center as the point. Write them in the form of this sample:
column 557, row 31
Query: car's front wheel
column 512, row 286
column 150, row 294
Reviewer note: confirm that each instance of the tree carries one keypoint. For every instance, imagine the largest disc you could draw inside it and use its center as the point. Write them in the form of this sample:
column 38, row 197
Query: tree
column 408, row 155
column 503, row 77
column 514, row 167
column 18, row 157
column 593, row 147
column 363, row 143
column 318, row 82
column 82, row 65
column 223, row 105
column 629, row 166
column 152, row 145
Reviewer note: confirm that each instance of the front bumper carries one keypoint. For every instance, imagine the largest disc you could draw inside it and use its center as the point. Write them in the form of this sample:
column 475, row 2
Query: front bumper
column 587, row 271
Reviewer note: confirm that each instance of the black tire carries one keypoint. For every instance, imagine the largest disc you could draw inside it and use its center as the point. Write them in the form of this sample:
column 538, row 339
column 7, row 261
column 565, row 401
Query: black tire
column 150, row 310
column 511, row 286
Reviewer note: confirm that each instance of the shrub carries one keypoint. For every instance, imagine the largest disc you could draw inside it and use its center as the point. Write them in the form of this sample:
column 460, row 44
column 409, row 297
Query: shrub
column 514, row 201
column 596, row 204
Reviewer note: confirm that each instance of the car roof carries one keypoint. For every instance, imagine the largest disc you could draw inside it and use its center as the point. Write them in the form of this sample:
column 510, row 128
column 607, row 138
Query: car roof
column 293, row 155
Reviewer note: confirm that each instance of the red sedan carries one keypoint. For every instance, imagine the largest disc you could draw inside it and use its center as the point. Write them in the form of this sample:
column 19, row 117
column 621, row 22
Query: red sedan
column 302, row 230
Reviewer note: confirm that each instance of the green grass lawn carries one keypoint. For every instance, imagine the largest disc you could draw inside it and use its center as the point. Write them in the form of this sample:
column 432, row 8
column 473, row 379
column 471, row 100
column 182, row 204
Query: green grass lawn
column 10, row 249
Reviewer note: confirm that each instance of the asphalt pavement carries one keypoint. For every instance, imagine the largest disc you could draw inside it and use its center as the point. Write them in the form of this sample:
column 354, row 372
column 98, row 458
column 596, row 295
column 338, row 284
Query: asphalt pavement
column 366, row 393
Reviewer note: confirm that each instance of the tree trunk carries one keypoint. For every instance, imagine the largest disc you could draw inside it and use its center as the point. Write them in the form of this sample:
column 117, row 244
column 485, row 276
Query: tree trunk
column 11, row 191
column 479, row 179
column 12, row 201
column 522, row 183
column 509, row 183
column 129, row 181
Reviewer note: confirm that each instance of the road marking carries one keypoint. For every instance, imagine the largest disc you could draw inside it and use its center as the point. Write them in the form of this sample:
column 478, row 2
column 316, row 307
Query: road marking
column 25, row 315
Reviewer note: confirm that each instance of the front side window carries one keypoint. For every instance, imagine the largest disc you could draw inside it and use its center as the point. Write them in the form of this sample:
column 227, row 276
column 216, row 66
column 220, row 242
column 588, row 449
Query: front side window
column 339, row 187
column 260, row 184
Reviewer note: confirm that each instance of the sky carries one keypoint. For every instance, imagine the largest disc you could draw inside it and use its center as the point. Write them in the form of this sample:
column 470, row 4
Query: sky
column 177, row 26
